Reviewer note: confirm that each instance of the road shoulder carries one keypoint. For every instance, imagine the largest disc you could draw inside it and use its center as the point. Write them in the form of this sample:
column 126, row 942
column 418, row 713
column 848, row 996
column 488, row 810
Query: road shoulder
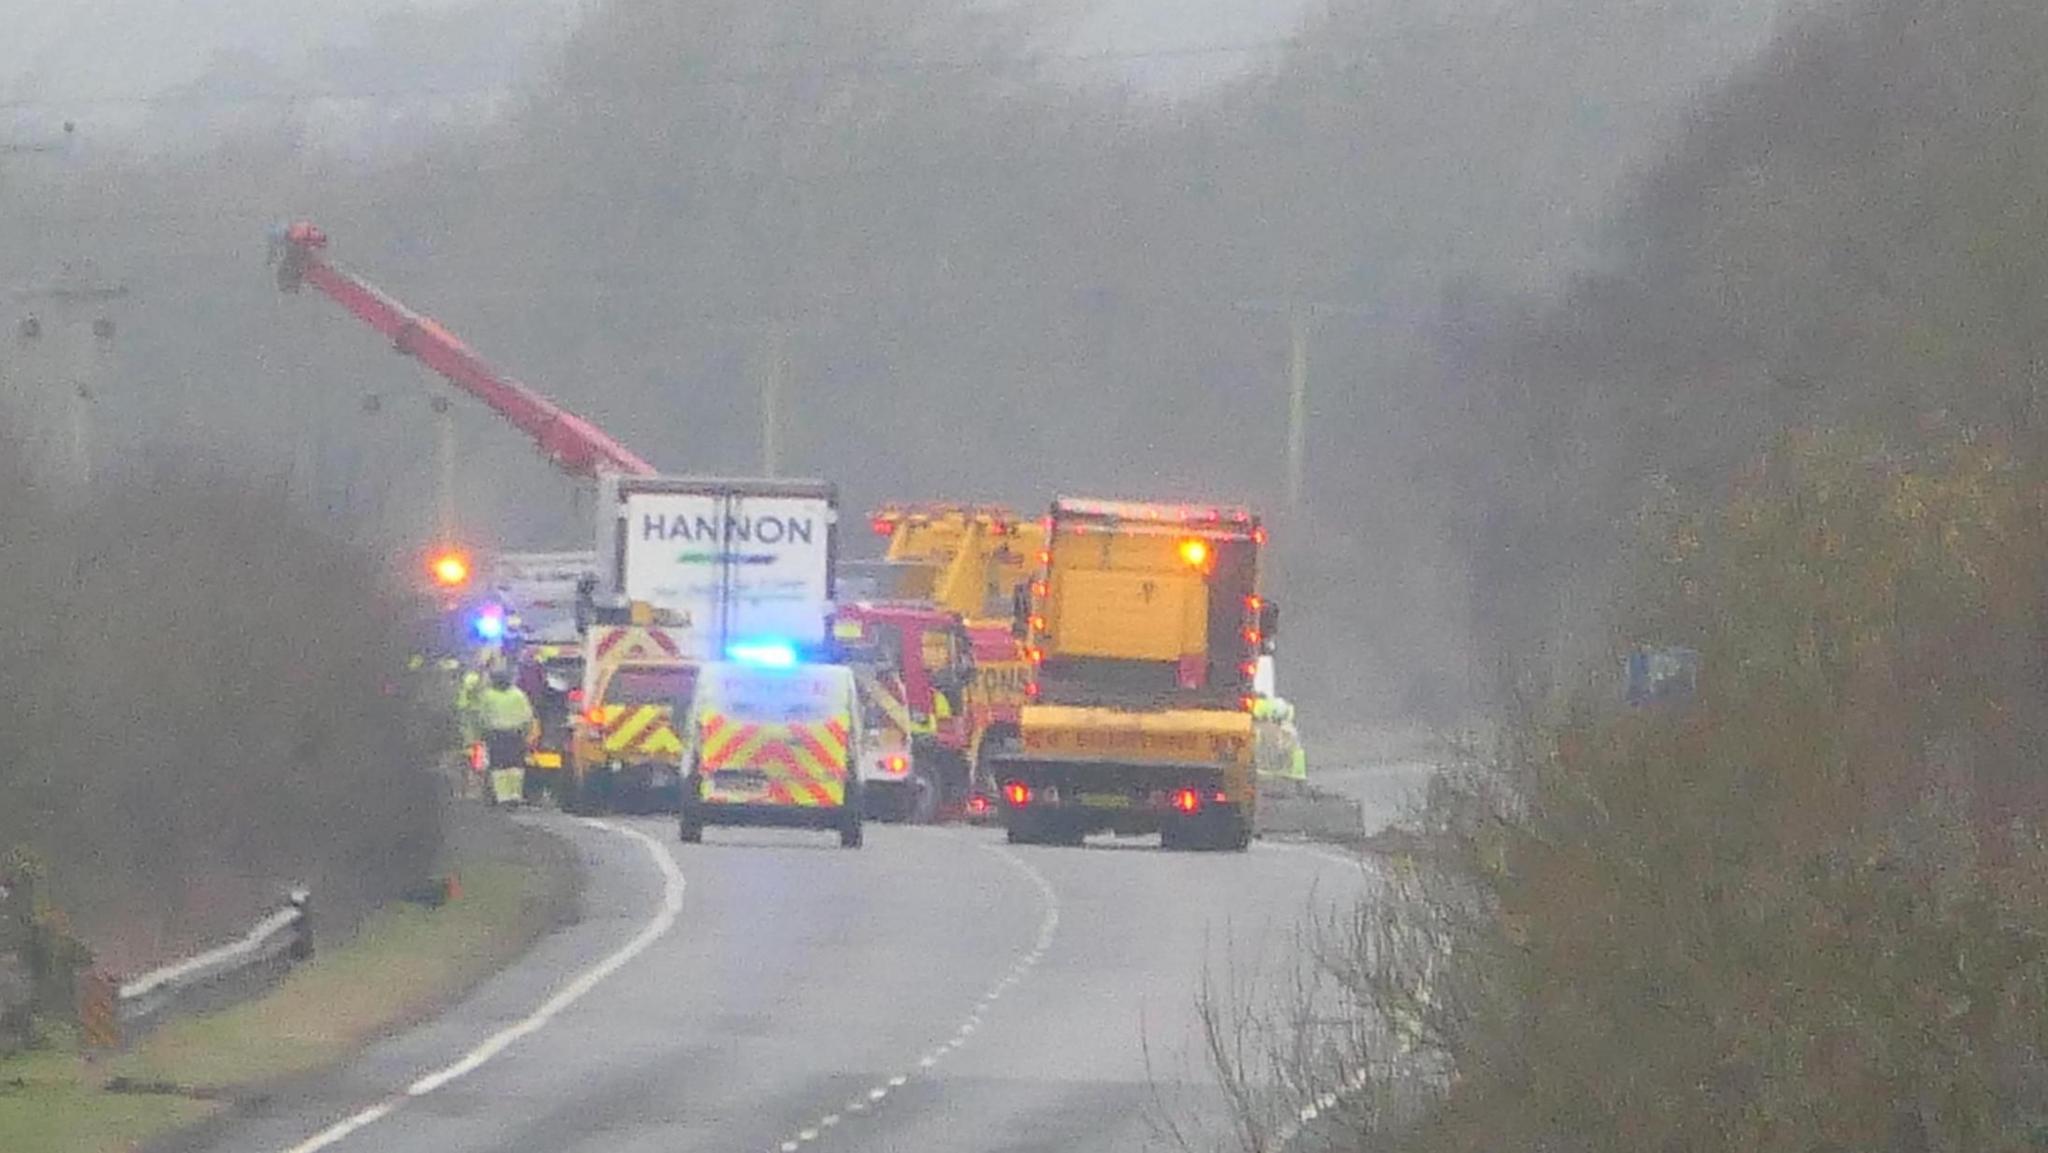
column 404, row 965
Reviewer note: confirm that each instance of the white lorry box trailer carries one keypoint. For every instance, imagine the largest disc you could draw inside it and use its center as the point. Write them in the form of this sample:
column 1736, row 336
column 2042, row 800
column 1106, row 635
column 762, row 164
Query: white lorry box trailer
column 728, row 564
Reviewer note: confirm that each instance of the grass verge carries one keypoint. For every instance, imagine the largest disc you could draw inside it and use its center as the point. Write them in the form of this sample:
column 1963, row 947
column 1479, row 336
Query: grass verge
column 403, row 963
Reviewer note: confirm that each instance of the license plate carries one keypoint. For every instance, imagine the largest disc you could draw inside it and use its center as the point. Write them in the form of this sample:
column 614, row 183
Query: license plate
column 743, row 781
column 1105, row 800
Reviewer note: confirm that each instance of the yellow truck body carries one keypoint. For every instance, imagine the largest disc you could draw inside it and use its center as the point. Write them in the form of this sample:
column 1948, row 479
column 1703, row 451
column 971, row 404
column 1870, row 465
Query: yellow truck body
column 966, row 558
column 1143, row 632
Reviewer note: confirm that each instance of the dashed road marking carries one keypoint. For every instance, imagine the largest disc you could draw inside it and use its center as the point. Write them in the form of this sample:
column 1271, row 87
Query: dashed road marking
column 496, row 1044
column 1048, row 926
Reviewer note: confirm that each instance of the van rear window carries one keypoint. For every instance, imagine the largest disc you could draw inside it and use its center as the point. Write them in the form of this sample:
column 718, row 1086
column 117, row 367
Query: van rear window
column 630, row 686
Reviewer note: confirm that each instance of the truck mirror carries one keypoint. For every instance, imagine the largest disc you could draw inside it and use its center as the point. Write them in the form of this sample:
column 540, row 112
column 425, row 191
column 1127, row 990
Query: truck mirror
column 1269, row 626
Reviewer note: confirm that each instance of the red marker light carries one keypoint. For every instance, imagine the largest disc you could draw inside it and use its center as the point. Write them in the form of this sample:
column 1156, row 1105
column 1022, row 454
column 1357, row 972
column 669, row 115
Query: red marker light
column 1040, row 589
column 1045, row 556
column 977, row 804
column 1187, row 801
column 883, row 526
column 575, row 696
column 1031, row 690
column 897, row 763
column 1037, row 624
column 1249, row 669
column 1254, row 604
column 1252, row 636
column 594, row 716
column 1017, row 793
column 1259, row 535
column 1194, row 552
column 1247, row 703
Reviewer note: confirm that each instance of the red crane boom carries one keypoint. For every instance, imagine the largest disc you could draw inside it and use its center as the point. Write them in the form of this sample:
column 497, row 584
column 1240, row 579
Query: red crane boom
column 572, row 443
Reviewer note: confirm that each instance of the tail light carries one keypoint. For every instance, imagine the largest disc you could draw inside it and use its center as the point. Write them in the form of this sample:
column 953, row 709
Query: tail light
column 593, row 717
column 575, row 696
column 1017, row 793
column 1248, row 703
column 1187, row 801
column 896, row 763
column 977, row 804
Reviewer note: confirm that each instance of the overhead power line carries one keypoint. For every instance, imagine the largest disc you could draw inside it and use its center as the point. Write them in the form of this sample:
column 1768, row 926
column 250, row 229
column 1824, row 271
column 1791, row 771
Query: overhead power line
column 699, row 74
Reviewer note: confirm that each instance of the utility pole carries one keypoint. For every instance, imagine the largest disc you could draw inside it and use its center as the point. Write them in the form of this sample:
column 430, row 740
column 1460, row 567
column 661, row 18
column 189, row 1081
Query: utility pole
column 1301, row 317
column 77, row 310
column 72, row 319
column 444, row 451
column 774, row 370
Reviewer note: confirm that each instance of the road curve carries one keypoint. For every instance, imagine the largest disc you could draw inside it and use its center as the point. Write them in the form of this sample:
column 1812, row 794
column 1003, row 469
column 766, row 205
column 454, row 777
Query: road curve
column 935, row 990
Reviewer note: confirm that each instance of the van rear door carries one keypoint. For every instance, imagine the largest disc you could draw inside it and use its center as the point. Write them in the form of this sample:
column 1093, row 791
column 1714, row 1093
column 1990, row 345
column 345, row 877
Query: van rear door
column 779, row 737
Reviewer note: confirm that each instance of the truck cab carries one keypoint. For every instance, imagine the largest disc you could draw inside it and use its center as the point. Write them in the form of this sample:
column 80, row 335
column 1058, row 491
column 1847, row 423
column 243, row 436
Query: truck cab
column 915, row 666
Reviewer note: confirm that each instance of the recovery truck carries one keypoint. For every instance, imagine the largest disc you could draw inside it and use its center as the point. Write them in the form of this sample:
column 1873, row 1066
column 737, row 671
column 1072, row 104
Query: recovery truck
column 1144, row 630
column 915, row 665
column 956, row 562
column 963, row 557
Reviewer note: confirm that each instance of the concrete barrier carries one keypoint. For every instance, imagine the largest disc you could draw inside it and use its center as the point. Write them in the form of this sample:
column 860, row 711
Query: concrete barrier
column 1287, row 809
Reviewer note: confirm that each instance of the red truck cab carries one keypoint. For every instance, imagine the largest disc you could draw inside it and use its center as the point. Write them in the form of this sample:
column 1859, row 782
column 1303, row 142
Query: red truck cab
column 917, row 664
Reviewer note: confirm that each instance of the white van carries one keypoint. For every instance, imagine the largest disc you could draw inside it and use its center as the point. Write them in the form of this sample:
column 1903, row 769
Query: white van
column 773, row 743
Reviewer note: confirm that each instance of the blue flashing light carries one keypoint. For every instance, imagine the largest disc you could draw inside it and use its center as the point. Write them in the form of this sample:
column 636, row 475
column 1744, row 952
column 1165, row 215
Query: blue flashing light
column 763, row 654
column 490, row 624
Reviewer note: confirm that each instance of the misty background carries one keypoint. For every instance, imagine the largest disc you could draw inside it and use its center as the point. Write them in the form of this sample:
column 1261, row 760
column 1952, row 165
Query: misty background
column 1561, row 257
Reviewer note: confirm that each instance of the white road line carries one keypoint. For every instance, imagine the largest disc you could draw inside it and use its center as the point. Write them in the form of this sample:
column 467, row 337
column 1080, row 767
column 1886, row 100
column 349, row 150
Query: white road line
column 341, row 1129
column 1359, row 861
column 664, row 920
column 1048, row 925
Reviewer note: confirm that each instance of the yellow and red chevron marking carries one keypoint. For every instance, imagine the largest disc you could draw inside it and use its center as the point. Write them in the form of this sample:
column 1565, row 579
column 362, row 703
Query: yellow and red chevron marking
column 646, row 644
column 640, row 729
column 804, row 763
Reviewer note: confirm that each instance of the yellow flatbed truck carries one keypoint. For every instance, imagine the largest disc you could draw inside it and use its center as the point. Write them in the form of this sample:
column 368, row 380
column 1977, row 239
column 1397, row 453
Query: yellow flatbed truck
column 1143, row 631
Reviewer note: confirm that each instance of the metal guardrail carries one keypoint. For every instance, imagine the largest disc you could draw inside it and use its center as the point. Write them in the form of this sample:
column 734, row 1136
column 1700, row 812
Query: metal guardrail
column 118, row 1011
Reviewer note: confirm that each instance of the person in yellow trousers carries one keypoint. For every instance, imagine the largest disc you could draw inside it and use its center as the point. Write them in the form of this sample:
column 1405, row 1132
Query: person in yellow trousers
column 506, row 718
column 469, row 732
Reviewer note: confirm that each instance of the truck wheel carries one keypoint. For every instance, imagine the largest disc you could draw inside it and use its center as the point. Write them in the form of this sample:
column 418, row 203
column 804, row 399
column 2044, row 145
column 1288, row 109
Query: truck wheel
column 922, row 806
column 850, row 836
column 1237, row 835
column 688, row 831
